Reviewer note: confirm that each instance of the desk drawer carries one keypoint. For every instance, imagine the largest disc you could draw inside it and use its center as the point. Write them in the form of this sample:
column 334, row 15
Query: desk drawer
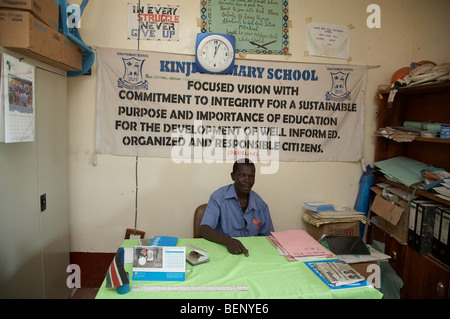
column 425, row 277
column 393, row 248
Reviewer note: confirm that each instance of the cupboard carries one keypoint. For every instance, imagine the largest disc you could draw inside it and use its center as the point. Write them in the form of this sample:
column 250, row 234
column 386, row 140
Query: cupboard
column 34, row 244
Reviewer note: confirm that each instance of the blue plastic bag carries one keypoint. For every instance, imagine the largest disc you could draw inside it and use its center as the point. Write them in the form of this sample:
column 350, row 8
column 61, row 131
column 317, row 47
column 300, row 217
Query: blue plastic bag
column 363, row 199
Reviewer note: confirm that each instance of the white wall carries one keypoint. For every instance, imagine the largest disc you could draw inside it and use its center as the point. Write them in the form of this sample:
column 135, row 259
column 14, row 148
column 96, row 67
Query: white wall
column 102, row 196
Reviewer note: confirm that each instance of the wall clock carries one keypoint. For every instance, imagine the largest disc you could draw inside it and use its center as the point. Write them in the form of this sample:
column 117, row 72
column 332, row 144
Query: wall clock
column 214, row 53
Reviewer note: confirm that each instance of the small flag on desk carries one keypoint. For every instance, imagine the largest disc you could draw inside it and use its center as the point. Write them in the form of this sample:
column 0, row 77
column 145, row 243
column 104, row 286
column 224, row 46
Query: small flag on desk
column 116, row 275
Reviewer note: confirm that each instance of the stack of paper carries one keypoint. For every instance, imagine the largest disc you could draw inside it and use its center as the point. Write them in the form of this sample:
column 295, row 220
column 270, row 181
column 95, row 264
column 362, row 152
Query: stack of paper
column 444, row 190
column 344, row 215
column 318, row 206
column 298, row 245
column 394, row 194
column 333, row 215
column 402, row 170
column 397, row 135
column 375, row 255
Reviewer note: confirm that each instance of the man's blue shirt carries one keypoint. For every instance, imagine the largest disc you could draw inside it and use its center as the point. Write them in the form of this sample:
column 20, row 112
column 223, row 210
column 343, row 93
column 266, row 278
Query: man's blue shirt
column 224, row 214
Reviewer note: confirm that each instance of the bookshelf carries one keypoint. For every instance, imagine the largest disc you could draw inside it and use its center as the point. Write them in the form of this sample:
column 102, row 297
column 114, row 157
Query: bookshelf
column 426, row 103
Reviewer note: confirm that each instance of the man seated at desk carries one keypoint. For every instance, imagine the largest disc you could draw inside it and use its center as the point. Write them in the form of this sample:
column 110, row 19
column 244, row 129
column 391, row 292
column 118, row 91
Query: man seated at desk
column 236, row 211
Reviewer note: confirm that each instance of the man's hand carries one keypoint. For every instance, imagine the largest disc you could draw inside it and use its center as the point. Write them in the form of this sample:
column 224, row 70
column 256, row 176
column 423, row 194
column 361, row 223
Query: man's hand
column 234, row 246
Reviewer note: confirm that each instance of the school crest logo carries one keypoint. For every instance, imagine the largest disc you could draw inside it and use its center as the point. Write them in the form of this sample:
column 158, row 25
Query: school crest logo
column 132, row 77
column 338, row 90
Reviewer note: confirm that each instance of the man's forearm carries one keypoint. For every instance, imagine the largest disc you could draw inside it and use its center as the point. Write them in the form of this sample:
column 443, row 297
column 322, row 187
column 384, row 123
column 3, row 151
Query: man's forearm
column 212, row 235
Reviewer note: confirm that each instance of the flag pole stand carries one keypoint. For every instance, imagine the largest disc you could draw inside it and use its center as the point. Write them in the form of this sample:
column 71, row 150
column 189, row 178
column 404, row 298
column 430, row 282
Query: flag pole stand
column 133, row 233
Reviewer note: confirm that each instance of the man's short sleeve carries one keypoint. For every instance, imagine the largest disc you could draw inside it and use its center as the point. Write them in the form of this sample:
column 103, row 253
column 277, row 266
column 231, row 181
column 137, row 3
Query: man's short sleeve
column 212, row 213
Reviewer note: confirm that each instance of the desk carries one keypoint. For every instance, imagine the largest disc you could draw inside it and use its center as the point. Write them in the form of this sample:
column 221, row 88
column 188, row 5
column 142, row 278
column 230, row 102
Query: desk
column 268, row 275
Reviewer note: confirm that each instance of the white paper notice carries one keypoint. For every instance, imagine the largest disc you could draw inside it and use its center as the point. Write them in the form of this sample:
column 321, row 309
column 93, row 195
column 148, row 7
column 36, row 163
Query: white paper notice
column 17, row 105
column 153, row 22
column 328, row 40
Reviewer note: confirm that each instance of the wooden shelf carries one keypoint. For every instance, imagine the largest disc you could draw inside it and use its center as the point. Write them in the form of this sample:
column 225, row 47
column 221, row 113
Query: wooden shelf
column 421, row 274
column 425, row 88
column 433, row 140
column 425, row 139
column 425, row 103
column 419, row 192
column 419, row 89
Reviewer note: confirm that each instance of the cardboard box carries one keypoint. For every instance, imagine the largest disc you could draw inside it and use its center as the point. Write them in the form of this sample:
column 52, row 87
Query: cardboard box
column 335, row 229
column 20, row 31
column 392, row 218
column 71, row 55
column 45, row 10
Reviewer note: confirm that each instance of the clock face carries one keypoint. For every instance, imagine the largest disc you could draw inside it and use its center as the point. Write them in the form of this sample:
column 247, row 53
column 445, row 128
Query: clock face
column 215, row 53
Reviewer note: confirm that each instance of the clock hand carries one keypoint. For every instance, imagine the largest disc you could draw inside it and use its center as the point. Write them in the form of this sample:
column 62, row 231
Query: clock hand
column 217, row 47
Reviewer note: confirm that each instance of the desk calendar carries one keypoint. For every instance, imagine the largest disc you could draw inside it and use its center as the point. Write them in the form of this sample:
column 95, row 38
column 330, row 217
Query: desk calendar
column 159, row 263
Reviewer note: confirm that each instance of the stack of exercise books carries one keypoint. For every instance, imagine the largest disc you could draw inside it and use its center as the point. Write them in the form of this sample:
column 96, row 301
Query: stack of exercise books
column 443, row 191
column 322, row 213
column 318, row 206
column 298, row 245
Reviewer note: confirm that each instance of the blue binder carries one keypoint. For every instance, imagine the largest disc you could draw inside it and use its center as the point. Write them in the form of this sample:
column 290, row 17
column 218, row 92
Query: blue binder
column 164, row 241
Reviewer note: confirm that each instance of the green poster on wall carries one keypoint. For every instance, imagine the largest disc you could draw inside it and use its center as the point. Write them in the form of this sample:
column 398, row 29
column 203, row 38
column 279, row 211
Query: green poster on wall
column 260, row 26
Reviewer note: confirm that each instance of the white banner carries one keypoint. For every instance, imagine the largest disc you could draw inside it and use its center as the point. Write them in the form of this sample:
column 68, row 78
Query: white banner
column 155, row 104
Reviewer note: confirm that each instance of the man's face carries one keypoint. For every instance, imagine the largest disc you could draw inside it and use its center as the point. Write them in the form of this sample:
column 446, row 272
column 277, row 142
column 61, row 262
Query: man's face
column 244, row 178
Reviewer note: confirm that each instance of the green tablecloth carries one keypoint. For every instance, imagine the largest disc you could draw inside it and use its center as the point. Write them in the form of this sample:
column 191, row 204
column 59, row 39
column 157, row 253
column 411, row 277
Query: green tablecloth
column 267, row 274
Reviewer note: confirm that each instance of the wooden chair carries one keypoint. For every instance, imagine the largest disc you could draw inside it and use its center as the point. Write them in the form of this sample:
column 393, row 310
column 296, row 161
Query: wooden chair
column 136, row 232
column 198, row 216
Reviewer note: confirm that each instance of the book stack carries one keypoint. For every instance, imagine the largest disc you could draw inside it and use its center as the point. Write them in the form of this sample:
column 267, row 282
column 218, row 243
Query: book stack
column 318, row 206
column 298, row 245
column 322, row 213
column 443, row 191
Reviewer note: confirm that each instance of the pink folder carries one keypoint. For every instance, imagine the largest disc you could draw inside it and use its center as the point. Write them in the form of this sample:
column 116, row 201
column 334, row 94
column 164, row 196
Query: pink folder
column 298, row 243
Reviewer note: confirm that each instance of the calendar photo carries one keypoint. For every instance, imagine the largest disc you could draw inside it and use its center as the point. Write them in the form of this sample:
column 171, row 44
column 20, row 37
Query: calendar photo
column 20, row 94
column 148, row 257
column 18, row 103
